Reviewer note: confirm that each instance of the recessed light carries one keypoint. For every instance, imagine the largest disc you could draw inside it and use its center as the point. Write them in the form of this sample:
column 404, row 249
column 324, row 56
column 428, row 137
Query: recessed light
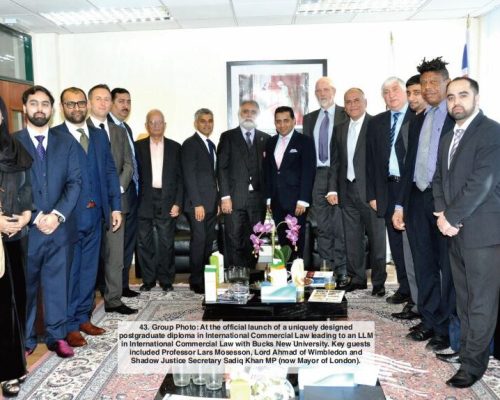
column 108, row 16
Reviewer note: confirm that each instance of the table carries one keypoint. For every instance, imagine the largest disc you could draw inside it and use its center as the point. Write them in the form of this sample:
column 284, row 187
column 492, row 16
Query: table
column 255, row 310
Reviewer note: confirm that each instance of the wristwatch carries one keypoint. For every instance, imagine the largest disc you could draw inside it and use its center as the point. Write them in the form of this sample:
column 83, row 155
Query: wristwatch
column 60, row 218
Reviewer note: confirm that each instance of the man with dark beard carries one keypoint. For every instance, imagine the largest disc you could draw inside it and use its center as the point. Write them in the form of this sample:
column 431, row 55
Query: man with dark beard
column 99, row 200
column 241, row 182
column 467, row 203
column 56, row 181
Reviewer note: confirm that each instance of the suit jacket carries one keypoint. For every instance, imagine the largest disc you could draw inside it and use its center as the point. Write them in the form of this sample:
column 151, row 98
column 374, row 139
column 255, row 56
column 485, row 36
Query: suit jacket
column 199, row 176
column 295, row 178
column 378, row 152
column 109, row 184
column 469, row 191
column 122, row 156
column 172, row 185
column 232, row 165
column 310, row 122
column 337, row 173
column 59, row 186
column 411, row 155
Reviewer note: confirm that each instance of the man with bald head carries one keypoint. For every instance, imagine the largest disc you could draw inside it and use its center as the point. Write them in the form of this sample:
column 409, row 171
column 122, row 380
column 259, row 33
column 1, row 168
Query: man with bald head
column 320, row 125
column 347, row 177
column 160, row 199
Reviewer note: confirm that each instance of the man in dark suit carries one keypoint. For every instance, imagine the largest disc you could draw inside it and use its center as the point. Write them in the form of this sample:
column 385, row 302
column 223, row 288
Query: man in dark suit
column 241, row 182
column 436, row 295
column 120, row 111
column 387, row 140
column 112, row 243
column 160, row 199
column 56, row 182
column 99, row 200
column 201, row 201
column 466, row 190
column 289, row 168
column 347, row 177
column 320, row 126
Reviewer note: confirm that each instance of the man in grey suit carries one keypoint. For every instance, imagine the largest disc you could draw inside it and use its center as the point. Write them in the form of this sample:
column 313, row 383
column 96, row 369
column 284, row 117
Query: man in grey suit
column 466, row 189
column 320, row 126
column 240, row 173
column 348, row 177
column 112, row 243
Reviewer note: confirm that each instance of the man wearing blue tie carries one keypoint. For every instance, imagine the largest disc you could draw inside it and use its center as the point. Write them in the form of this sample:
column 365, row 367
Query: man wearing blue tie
column 120, row 110
column 56, row 182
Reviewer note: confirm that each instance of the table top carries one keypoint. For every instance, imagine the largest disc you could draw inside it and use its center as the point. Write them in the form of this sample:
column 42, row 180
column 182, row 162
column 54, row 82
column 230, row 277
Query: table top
column 255, row 310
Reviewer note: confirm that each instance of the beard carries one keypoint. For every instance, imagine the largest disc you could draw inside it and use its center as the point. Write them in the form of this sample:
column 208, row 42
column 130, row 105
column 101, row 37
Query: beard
column 248, row 124
column 75, row 117
column 38, row 121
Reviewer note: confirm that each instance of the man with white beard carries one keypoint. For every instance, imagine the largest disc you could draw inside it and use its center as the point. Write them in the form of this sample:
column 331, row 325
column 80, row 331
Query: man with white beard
column 241, row 183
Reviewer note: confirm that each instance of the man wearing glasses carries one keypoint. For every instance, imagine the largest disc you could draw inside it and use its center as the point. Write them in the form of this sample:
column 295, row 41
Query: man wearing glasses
column 99, row 200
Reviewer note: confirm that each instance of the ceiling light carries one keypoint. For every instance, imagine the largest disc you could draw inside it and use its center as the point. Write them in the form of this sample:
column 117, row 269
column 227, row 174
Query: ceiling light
column 108, row 16
column 311, row 7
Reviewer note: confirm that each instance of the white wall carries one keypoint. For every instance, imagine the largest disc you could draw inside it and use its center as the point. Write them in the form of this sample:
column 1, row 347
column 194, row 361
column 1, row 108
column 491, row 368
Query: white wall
column 180, row 71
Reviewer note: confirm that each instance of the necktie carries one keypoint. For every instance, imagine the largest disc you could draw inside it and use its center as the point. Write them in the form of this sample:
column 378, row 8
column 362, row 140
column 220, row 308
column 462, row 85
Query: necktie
column 323, row 138
column 392, row 134
column 211, row 148
column 248, row 140
column 281, row 151
column 421, row 170
column 84, row 140
column 40, row 150
column 352, row 139
column 456, row 140
column 135, row 173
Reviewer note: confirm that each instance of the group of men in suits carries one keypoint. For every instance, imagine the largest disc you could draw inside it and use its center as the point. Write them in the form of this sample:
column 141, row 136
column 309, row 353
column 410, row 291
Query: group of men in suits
column 81, row 172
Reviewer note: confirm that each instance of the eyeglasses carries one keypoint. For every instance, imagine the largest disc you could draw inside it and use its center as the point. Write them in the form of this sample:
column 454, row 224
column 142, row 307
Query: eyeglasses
column 73, row 104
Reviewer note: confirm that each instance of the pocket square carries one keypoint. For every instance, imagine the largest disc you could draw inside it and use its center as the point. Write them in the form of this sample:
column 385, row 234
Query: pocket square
column 293, row 151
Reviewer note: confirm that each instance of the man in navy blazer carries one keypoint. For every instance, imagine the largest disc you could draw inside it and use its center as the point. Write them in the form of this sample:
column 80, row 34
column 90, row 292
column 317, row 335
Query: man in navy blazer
column 99, row 200
column 56, row 182
column 289, row 168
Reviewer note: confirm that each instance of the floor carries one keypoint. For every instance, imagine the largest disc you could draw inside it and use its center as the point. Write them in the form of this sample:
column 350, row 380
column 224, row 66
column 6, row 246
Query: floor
column 180, row 278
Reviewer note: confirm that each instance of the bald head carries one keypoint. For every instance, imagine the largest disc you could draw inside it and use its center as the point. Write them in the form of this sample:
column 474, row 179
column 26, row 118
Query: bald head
column 325, row 92
column 155, row 124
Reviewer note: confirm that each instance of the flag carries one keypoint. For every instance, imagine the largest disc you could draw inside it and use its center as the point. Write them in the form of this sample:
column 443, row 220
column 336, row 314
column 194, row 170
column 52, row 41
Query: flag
column 465, row 54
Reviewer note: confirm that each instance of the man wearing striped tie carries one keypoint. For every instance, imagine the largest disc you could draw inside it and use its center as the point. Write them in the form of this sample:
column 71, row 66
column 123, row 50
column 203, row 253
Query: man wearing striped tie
column 466, row 188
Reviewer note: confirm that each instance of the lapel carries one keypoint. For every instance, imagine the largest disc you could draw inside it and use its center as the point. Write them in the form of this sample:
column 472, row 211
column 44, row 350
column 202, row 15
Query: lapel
column 361, row 138
column 148, row 168
column 30, row 147
column 344, row 134
column 468, row 134
column 241, row 144
column 203, row 147
column 291, row 145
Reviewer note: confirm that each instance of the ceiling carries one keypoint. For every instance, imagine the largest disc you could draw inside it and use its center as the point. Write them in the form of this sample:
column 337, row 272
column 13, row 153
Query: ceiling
column 25, row 15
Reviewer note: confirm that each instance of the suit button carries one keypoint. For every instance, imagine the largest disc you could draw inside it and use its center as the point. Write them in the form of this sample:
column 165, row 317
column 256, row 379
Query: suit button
column 278, row 172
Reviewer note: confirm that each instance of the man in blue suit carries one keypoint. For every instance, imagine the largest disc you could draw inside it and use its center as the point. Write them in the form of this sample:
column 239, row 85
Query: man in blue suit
column 56, row 181
column 99, row 200
column 289, row 168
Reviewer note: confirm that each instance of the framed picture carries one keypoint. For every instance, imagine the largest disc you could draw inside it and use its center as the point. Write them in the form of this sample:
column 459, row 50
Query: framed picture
column 272, row 84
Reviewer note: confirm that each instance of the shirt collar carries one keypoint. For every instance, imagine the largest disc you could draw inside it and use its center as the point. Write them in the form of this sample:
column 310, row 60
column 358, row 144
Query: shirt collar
column 32, row 133
column 359, row 121
column 97, row 123
column 401, row 111
column 202, row 136
column 115, row 120
column 73, row 128
column 329, row 110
